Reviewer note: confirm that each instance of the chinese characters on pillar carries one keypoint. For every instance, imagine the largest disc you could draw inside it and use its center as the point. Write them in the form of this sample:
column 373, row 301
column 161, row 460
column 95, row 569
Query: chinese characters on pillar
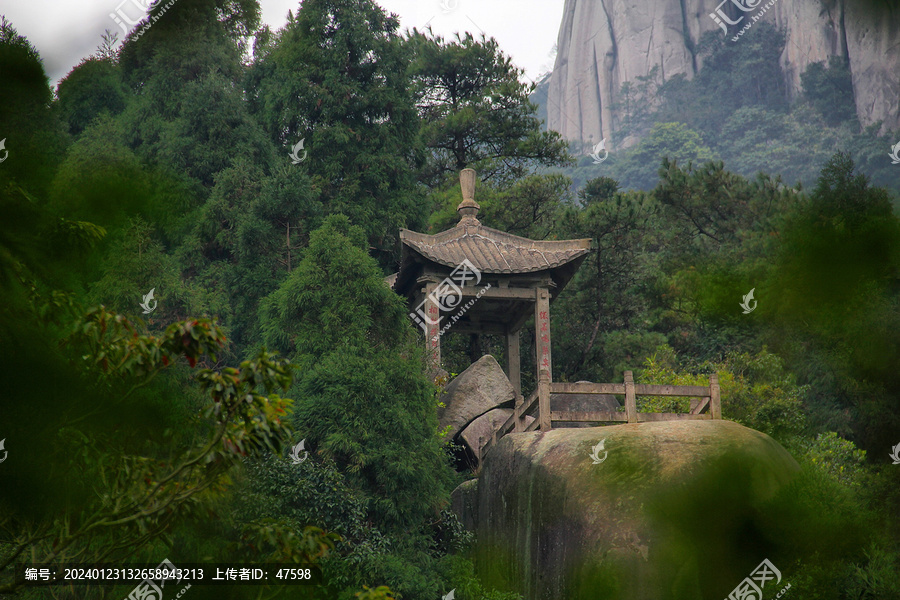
column 544, row 337
column 432, row 331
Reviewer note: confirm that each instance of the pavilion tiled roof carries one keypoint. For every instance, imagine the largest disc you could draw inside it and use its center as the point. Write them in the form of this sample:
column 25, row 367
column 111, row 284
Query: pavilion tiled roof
column 489, row 250
column 493, row 251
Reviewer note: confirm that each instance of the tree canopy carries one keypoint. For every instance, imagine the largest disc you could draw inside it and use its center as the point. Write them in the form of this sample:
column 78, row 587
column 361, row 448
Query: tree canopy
column 172, row 166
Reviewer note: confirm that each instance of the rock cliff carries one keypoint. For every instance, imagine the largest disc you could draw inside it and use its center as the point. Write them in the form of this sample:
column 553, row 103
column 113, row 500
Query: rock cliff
column 866, row 32
column 676, row 505
column 605, row 43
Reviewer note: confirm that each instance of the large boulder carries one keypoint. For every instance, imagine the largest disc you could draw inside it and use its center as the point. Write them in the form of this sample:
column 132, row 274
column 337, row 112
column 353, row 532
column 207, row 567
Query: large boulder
column 479, row 431
column 462, row 502
column 480, row 388
column 672, row 505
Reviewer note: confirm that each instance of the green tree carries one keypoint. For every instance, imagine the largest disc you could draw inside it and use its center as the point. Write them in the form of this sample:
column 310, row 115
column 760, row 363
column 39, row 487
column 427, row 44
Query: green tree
column 362, row 378
column 96, row 491
column 639, row 100
column 717, row 208
column 269, row 240
column 34, row 137
column 92, row 88
column 281, row 220
column 364, row 398
column 791, row 145
column 528, row 207
column 842, row 246
column 604, row 298
column 867, row 150
column 836, row 307
column 673, row 141
column 135, row 263
column 116, row 449
column 246, row 238
column 733, row 75
column 476, row 113
column 364, row 403
column 335, row 77
column 721, row 233
column 830, row 90
column 102, row 180
column 194, row 50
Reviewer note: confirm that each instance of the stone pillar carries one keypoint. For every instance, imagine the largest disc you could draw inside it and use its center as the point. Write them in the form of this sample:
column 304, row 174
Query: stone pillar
column 542, row 333
column 433, row 338
column 542, row 347
column 513, row 361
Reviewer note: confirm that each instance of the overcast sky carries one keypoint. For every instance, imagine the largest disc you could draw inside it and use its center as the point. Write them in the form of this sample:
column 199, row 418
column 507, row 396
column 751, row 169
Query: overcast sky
column 65, row 31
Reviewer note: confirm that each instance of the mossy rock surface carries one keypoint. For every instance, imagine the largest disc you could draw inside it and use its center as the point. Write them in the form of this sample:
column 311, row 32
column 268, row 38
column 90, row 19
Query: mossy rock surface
column 677, row 509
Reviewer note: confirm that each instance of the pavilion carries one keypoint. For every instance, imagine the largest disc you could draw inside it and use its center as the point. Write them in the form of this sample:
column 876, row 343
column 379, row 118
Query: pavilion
column 475, row 279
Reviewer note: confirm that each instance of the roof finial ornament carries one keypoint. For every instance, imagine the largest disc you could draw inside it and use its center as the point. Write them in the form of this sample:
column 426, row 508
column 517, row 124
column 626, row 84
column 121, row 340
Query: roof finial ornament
column 468, row 208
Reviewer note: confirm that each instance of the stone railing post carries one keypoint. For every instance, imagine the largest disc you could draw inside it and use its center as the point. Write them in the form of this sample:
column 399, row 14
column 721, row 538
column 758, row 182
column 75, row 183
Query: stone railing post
column 630, row 401
column 518, row 424
column 715, row 401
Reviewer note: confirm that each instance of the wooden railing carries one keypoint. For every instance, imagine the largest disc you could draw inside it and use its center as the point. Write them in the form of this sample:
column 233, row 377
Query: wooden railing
column 705, row 404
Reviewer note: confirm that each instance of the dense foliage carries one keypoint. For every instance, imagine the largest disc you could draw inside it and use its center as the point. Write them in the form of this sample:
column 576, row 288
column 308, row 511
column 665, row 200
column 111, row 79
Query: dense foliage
column 166, row 164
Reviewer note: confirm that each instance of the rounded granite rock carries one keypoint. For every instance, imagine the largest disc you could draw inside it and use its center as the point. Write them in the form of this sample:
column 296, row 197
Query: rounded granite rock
column 559, row 516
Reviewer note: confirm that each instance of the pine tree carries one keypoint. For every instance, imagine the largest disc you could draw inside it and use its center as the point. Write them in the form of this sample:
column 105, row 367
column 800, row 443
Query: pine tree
column 188, row 113
column 335, row 78
column 363, row 398
column 476, row 113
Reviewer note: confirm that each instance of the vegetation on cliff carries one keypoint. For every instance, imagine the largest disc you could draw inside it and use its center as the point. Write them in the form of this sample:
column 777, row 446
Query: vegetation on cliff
column 737, row 110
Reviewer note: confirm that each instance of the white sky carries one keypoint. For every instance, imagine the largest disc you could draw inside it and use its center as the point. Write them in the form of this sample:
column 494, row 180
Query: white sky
column 65, row 31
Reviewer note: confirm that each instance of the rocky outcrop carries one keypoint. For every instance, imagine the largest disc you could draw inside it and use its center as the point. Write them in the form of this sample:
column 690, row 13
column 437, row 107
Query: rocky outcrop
column 479, row 431
column 605, row 43
column 480, row 388
column 463, row 503
column 867, row 33
column 674, row 505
